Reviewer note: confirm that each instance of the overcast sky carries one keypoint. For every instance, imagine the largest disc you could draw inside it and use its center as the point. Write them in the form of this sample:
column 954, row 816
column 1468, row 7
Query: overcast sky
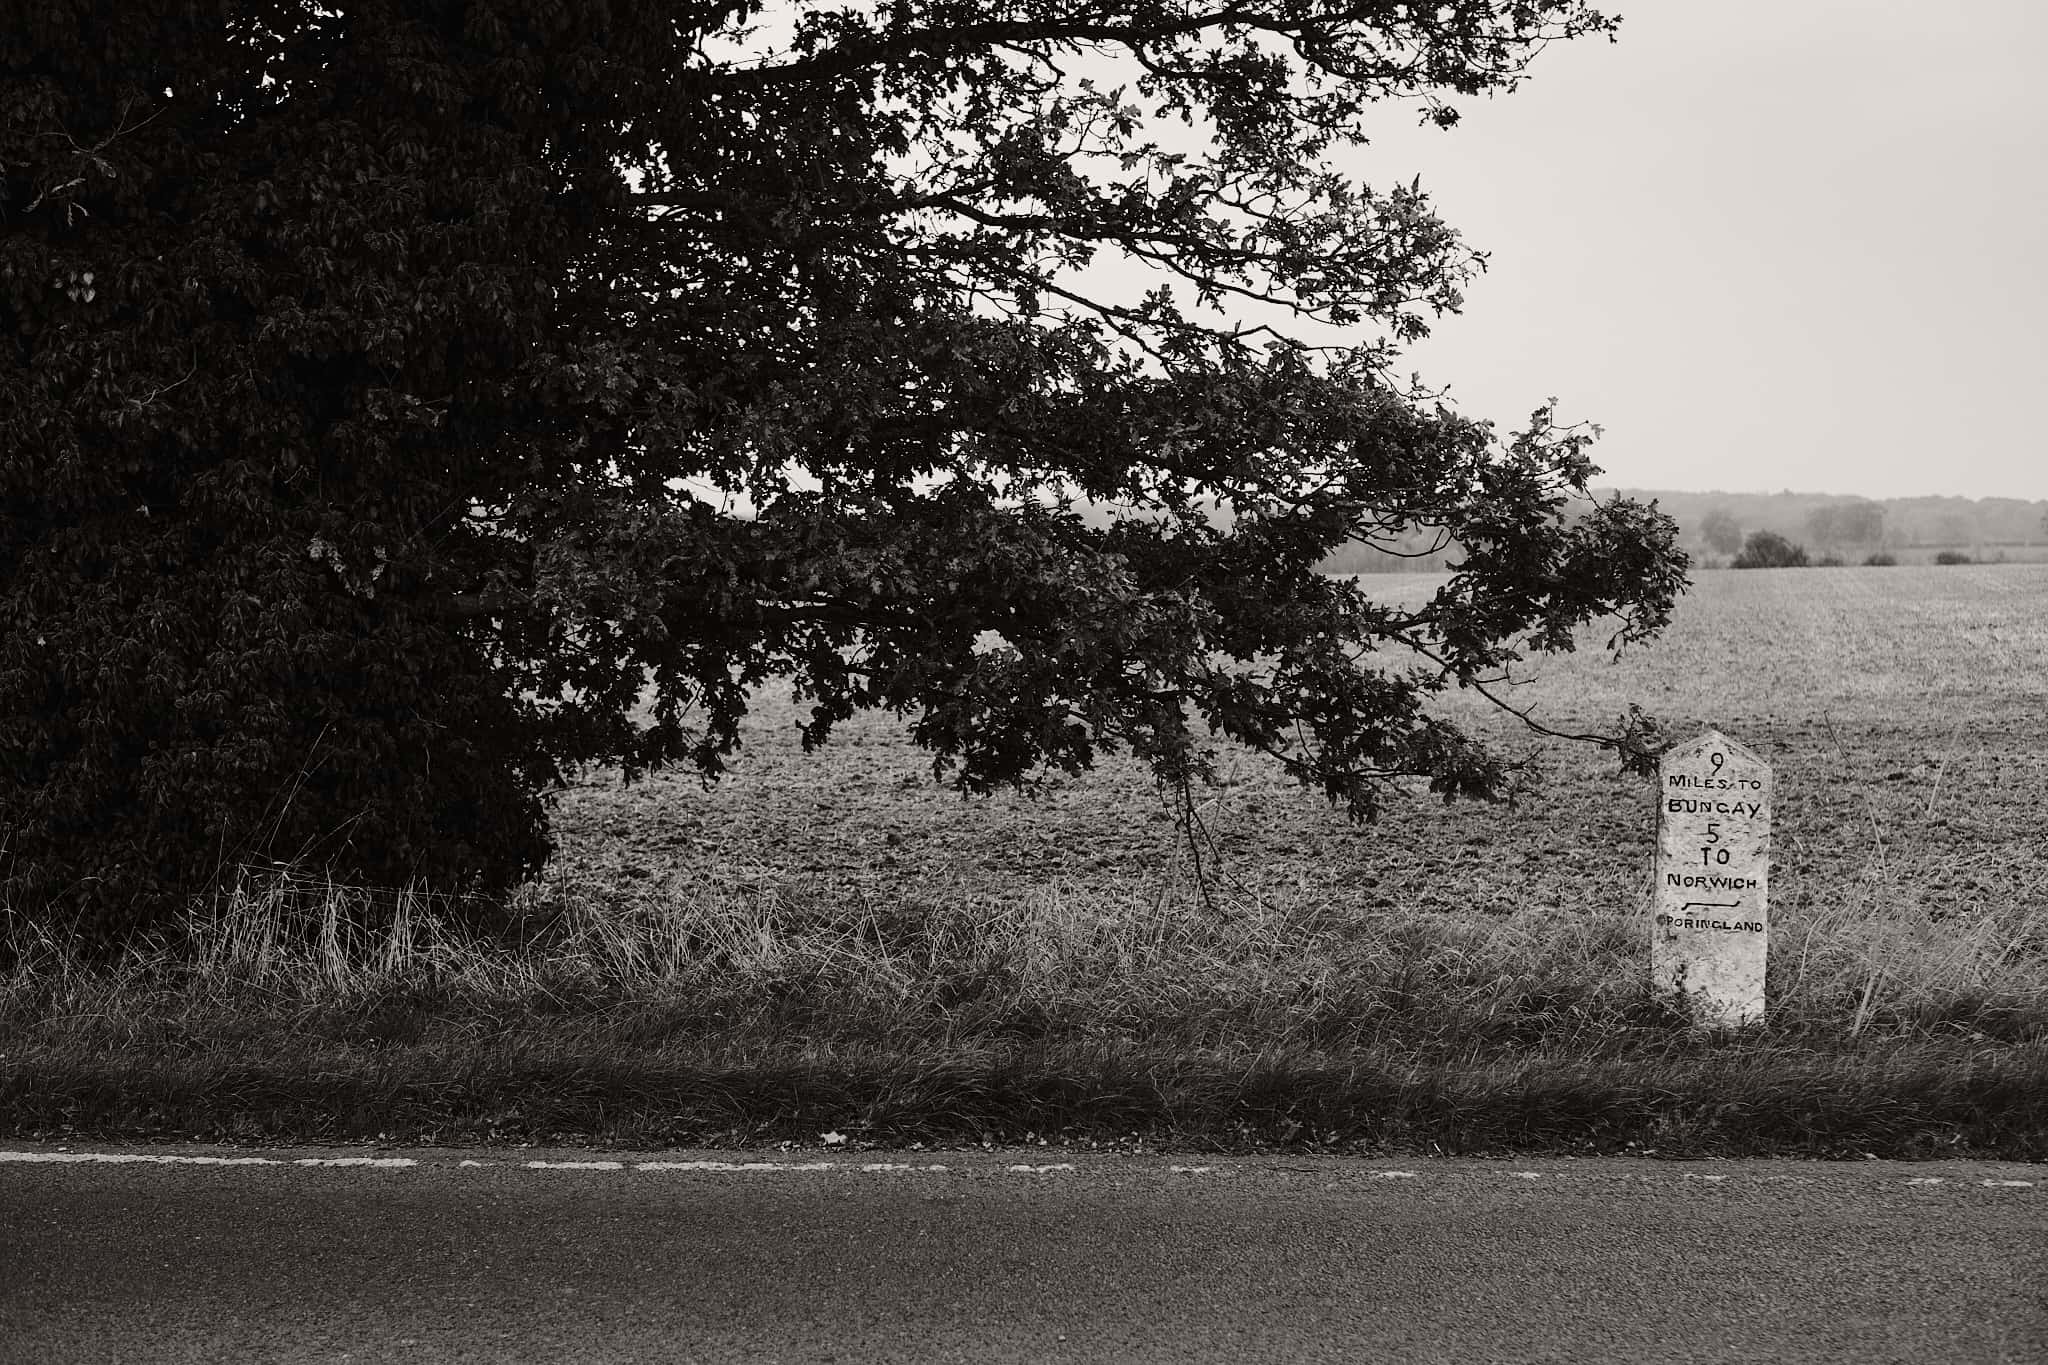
column 1766, row 244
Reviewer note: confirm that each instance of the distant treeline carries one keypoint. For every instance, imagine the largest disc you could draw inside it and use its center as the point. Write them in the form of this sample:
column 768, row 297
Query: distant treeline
column 1418, row 551
column 1714, row 526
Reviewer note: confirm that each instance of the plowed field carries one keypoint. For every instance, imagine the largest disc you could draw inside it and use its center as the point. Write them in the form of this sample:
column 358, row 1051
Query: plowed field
column 1905, row 711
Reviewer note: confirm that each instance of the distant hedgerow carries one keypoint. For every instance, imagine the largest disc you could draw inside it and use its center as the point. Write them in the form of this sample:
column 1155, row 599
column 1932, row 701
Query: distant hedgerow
column 1769, row 550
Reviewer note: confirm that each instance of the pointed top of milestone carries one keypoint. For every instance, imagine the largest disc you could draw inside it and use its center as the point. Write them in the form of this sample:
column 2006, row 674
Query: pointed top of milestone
column 1713, row 739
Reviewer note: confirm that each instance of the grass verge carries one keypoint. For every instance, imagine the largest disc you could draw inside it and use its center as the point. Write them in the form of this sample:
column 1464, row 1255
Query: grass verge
column 1899, row 1101
column 299, row 1011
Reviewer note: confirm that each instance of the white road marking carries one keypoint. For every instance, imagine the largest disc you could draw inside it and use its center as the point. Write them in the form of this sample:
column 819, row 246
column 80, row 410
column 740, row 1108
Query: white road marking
column 65, row 1157
column 786, row 1166
column 575, row 1165
column 734, row 1166
column 139, row 1158
column 682, row 1165
column 900, row 1166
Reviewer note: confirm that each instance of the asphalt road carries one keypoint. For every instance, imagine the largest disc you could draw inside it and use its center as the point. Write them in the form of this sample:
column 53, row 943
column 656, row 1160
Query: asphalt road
column 1027, row 1256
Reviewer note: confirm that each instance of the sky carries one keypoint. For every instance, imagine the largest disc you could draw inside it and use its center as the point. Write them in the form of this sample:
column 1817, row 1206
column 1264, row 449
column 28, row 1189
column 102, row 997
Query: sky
column 1765, row 244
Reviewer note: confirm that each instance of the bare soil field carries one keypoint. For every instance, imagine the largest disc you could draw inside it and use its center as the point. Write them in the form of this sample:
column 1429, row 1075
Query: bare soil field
column 1904, row 710
column 832, row 942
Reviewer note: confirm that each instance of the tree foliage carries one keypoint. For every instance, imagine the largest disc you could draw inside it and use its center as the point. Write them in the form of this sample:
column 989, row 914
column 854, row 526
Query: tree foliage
column 1860, row 522
column 1723, row 533
column 394, row 391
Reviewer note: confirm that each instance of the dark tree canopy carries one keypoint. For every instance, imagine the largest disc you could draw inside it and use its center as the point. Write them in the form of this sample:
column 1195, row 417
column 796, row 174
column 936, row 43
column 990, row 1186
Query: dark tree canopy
column 393, row 390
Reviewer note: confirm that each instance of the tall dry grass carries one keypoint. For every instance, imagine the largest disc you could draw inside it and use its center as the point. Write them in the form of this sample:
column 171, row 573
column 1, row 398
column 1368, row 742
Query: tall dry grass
column 942, row 969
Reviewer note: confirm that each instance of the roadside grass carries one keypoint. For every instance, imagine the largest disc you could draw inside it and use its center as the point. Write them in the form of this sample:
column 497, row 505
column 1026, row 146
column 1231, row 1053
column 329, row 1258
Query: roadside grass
column 830, row 943
column 297, row 1009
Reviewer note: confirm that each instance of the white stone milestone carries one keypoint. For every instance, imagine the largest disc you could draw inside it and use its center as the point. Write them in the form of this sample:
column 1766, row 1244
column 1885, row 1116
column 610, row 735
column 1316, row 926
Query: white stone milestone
column 1710, row 922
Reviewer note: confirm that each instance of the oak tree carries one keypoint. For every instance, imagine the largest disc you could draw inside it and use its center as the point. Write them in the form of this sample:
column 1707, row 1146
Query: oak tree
column 393, row 392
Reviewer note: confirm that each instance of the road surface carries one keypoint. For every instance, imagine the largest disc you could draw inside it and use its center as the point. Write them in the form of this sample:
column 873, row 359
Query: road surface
column 207, row 1254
